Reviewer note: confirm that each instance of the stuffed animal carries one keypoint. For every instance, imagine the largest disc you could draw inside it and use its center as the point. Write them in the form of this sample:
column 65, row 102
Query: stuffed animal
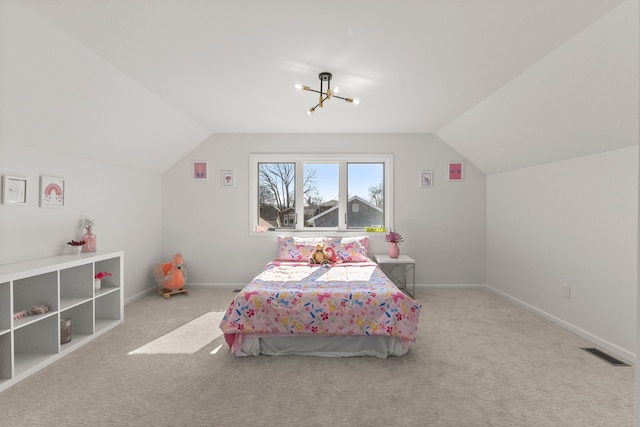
column 320, row 255
column 171, row 276
column 333, row 257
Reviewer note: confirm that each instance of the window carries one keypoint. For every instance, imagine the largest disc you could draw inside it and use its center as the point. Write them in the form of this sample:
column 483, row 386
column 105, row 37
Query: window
column 320, row 192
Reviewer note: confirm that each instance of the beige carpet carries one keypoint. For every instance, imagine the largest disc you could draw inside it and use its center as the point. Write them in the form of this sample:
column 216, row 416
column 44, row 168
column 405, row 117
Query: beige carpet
column 480, row 360
column 188, row 338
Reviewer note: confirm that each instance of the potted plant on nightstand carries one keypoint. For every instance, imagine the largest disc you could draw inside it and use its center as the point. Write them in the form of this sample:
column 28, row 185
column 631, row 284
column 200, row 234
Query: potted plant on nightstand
column 394, row 238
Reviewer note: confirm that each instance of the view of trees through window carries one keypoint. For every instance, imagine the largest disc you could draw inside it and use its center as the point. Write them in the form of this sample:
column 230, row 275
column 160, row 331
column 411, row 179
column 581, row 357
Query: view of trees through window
column 362, row 184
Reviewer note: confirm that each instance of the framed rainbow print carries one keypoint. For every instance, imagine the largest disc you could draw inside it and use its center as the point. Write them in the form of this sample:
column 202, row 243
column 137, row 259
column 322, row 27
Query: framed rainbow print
column 51, row 192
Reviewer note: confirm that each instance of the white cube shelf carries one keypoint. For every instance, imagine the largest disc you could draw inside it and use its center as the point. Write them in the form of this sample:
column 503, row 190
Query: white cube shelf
column 65, row 285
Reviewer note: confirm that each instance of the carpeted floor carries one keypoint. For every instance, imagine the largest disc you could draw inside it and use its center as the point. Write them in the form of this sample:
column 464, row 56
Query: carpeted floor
column 479, row 360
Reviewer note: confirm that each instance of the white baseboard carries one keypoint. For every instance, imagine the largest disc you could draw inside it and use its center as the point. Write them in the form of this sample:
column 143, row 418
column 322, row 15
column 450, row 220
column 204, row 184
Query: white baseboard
column 627, row 355
column 217, row 285
column 139, row 295
column 154, row 289
column 456, row 286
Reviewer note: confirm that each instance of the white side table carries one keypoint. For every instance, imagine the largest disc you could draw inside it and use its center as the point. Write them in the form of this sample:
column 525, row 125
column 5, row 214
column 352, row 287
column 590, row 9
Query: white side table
column 398, row 269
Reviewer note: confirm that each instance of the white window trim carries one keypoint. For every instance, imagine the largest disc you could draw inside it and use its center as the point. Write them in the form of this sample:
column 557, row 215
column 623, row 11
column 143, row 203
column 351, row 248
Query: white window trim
column 299, row 159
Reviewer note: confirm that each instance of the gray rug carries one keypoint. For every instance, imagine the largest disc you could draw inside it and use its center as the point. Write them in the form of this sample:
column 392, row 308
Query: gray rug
column 479, row 360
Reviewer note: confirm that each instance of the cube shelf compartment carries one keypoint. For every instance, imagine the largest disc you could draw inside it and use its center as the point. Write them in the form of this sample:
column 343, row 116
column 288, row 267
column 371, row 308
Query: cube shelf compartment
column 65, row 285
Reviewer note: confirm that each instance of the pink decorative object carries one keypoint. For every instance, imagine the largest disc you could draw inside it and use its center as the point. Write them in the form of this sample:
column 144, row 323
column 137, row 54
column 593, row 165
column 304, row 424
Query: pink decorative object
column 89, row 241
column 21, row 314
column 455, row 171
column 394, row 238
column 394, row 250
column 199, row 170
column 89, row 238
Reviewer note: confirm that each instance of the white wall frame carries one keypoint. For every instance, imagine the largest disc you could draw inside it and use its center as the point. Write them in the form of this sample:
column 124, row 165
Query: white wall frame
column 14, row 190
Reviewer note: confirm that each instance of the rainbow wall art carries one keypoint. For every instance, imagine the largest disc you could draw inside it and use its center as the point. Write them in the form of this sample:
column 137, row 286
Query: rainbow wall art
column 52, row 191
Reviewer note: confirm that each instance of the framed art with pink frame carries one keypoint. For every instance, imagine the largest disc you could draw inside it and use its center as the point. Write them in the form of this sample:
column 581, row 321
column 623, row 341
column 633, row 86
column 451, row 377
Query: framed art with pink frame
column 456, row 171
column 199, row 169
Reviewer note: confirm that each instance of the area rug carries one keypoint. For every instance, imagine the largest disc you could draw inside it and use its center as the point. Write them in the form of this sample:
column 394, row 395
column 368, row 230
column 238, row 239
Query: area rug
column 186, row 339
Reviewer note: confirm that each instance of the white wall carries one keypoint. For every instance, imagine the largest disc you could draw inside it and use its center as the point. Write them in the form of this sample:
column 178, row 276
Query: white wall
column 60, row 96
column 443, row 226
column 125, row 205
column 573, row 222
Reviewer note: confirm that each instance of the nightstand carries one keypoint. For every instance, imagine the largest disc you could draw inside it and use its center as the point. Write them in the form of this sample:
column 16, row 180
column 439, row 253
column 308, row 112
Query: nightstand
column 399, row 270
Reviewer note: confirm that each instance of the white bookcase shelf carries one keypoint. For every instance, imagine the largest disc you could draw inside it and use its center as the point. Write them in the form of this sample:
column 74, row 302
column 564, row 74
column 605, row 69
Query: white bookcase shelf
column 65, row 285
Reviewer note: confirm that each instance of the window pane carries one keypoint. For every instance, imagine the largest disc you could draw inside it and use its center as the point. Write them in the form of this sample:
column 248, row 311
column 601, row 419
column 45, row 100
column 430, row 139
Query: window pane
column 321, row 195
column 365, row 189
column 328, row 191
column 276, row 195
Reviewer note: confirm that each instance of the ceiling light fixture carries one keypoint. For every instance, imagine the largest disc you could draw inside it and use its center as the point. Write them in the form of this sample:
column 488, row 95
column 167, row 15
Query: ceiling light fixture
column 325, row 95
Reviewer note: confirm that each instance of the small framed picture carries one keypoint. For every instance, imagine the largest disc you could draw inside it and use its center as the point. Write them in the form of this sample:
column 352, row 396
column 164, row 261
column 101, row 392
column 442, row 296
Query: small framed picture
column 227, row 178
column 14, row 190
column 456, row 171
column 426, row 179
column 199, row 169
column 51, row 192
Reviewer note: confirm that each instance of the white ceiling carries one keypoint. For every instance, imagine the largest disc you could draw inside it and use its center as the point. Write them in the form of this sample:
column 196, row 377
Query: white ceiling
column 507, row 83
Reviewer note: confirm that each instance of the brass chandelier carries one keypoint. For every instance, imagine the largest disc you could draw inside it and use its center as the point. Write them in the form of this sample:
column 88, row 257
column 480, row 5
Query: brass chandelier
column 325, row 95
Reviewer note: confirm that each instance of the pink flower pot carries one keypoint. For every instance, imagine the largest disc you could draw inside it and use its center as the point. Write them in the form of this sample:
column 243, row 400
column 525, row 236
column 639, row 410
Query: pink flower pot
column 394, row 250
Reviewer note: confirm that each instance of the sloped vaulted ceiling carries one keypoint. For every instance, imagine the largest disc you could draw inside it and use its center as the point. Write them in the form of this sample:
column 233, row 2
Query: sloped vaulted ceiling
column 507, row 83
column 580, row 99
column 57, row 95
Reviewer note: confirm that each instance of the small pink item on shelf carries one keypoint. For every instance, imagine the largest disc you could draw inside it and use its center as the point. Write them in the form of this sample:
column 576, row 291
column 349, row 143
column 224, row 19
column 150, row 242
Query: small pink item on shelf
column 20, row 314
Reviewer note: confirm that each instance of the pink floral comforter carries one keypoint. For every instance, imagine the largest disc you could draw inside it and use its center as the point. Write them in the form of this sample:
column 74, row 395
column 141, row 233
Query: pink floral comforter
column 299, row 298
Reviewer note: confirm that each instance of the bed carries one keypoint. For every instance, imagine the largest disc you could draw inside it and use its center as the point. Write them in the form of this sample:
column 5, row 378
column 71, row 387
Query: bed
column 347, row 309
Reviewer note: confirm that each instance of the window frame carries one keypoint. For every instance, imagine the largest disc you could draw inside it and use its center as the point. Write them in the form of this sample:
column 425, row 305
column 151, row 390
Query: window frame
column 299, row 160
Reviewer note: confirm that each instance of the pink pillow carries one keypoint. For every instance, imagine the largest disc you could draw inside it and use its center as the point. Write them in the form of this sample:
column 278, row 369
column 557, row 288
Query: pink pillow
column 350, row 249
column 296, row 248
column 347, row 249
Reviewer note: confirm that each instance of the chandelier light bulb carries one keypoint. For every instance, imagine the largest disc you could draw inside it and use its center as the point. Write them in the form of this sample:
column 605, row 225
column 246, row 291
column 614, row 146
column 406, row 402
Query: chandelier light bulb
column 356, row 101
column 298, row 86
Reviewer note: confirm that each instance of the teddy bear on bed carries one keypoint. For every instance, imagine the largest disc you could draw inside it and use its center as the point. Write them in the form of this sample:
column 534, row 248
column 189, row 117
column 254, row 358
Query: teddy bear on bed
column 322, row 255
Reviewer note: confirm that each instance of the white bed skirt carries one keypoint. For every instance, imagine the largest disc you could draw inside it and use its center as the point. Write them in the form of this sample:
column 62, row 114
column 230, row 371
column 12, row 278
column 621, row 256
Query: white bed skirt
column 314, row 345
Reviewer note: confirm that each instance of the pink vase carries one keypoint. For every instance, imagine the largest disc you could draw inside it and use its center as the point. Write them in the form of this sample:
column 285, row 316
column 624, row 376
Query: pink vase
column 394, row 250
column 89, row 241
